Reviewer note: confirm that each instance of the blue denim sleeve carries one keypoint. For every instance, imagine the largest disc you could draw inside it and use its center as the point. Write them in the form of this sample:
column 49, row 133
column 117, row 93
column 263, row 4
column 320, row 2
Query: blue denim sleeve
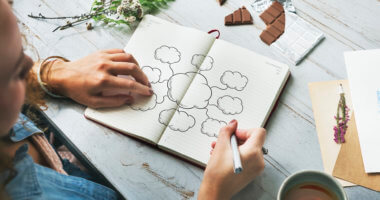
column 23, row 128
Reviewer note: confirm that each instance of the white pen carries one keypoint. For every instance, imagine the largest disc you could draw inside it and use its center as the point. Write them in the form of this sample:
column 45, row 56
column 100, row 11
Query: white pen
column 236, row 155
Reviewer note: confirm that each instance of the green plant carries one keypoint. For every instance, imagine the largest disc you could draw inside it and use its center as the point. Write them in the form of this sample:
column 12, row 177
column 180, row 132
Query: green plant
column 111, row 12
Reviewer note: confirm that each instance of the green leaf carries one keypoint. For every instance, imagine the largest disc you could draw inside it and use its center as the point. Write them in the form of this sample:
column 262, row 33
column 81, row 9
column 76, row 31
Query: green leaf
column 116, row 2
column 113, row 8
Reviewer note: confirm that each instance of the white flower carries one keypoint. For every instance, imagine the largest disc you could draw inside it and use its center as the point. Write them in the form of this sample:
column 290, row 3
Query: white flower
column 127, row 6
column 130, row 10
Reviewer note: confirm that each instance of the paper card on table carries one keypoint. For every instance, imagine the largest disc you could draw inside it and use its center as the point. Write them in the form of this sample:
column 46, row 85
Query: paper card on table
column 349, row 165
column 363, row 70
column 325, row 98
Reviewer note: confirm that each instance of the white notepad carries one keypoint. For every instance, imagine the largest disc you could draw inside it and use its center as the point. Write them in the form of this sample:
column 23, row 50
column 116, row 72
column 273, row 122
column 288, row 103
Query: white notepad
column 200, row 84
column 363, row 70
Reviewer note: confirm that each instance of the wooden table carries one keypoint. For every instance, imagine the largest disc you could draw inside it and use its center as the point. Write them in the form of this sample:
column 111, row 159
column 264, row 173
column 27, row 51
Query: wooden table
column 139, row 171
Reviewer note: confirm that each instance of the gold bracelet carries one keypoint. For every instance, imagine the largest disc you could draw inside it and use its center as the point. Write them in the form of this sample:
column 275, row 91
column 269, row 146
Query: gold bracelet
column 43, row 84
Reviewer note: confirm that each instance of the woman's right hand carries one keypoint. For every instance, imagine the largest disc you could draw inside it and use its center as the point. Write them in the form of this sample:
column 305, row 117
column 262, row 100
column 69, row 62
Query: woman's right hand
column 219, row 181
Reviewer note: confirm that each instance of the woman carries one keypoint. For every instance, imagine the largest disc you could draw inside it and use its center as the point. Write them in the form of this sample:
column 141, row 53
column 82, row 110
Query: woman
column 29, row 167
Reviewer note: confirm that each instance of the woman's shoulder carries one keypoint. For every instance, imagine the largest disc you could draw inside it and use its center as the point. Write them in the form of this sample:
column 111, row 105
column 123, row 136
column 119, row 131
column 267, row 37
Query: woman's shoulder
column 33, row 181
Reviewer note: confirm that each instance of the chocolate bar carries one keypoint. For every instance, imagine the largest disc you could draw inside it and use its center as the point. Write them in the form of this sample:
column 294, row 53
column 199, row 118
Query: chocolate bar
column 239, row 16
column 274, row 18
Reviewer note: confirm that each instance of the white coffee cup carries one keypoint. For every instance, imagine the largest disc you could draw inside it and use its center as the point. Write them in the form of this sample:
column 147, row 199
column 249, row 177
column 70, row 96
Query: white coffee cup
column 312, row 177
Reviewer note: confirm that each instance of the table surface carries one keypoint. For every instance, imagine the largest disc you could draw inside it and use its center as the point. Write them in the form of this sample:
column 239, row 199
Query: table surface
column 140, row 171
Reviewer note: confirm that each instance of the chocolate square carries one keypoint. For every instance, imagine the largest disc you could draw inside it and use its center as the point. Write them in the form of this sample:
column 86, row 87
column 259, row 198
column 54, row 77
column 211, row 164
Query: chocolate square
column 273, row 31
column 228, row 20
column 281, row 18
column 267, row 18
column 237, row 16
column 273, row 12
column 267, row 38
column 278, row 25
column 246, row 16
column 276, row 5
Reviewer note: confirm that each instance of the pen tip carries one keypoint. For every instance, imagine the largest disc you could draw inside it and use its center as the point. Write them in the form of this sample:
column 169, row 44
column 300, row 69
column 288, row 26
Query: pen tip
column 238, row 170
column 265, row 150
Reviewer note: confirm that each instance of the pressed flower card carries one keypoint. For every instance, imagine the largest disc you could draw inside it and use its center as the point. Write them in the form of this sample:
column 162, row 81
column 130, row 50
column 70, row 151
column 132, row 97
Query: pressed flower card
column 327, row 101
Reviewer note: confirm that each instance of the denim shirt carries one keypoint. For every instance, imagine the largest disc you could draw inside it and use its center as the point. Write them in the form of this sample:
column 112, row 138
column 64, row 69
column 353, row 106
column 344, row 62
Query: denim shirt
column 33, row 181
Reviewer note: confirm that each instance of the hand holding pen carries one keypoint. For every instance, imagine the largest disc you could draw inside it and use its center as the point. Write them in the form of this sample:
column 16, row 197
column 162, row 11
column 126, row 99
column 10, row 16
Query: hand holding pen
column 219, row 173
column 238, row 167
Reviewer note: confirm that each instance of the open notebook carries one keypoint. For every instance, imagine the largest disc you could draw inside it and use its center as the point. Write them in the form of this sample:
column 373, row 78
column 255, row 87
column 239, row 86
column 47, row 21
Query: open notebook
column 200, row 84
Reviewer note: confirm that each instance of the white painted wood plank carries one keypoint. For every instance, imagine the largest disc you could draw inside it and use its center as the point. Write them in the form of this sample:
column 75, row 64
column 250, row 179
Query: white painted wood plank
column 355, row 22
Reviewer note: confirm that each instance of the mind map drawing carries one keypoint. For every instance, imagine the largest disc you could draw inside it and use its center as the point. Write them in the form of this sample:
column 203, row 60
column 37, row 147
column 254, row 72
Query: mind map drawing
column 228, row 105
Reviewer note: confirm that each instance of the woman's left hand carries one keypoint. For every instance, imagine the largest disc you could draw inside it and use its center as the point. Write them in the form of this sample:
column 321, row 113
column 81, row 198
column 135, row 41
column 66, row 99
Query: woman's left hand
column 88, row 79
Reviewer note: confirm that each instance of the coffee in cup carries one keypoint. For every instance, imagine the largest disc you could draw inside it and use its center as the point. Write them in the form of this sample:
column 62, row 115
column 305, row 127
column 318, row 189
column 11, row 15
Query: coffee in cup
column 310, row 185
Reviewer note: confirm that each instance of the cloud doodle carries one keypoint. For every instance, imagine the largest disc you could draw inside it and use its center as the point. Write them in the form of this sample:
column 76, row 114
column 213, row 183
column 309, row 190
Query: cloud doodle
column 211, row 127
column 183, row 121
column 153, row 74
column 165, row 116
column 230, row 105
column 202, row 93
column 166, row 54
column 202, row 62
column 234, row 80
column 175, row 93
column 144, row 103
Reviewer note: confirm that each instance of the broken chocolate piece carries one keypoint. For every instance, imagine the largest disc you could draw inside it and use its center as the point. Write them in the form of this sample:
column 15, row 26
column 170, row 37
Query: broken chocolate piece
column 240, row 16
column 274, row 18
column 221, row 2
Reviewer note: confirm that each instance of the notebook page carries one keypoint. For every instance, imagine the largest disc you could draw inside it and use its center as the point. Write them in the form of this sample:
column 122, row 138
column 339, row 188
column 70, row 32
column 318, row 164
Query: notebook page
column 239, row 85
column 162, row 50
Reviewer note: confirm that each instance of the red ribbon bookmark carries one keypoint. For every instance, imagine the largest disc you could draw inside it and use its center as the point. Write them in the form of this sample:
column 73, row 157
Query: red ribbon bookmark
column 215, row 30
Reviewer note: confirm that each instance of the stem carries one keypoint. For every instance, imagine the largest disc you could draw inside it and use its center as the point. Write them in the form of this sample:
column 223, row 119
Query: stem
column 86, row 15
column 70, row 24
column 40, row 16
column 339, row 110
